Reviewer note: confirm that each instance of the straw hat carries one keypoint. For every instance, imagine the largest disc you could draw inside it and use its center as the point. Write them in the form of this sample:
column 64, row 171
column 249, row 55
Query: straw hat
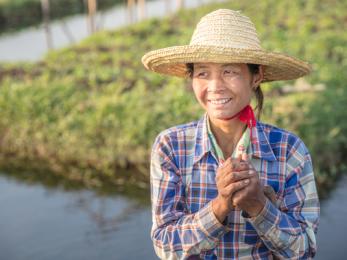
column 225, row 36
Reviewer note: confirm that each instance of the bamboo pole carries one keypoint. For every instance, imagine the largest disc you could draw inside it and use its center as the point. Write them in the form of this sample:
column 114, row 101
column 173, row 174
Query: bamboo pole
column 92, row 6
column 67, row 32
column 167, row 6
column 46, row 21
column 180, row 4
column 141, row 9
column 131, row 4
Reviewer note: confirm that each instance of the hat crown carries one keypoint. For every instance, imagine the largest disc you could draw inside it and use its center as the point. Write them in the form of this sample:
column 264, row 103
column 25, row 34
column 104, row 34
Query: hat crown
column 228, row 29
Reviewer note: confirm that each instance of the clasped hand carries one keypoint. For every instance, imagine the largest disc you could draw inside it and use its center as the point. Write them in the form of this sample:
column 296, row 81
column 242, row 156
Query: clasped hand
column 239, row 186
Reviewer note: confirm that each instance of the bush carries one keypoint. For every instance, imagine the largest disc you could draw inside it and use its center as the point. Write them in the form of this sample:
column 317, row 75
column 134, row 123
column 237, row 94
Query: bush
column 90, row 109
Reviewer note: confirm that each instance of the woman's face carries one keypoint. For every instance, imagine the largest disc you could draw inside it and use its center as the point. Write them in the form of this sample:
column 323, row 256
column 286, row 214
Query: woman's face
column 223, row 89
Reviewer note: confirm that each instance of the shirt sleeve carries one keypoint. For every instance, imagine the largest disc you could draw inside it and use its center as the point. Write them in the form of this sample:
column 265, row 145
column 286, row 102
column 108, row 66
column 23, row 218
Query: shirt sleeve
column 176, row 233
column 289, row 231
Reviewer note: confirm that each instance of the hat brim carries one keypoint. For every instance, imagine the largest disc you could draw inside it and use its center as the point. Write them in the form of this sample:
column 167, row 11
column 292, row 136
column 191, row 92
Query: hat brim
column 172, row 60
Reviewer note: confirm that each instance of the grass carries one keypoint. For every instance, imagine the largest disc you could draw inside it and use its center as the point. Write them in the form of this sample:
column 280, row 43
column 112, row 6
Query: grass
column 89, row 110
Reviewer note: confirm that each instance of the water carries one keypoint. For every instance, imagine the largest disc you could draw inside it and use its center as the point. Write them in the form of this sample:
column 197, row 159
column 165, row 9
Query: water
column 30, row 44
column 40, row 222
column 333, row 225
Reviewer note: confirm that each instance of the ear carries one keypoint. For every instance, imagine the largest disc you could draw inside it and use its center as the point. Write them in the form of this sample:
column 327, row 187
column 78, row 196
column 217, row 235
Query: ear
column 258, row 78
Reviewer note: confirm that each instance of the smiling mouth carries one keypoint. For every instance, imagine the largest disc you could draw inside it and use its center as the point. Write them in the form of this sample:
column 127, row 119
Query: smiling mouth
column 220, row 101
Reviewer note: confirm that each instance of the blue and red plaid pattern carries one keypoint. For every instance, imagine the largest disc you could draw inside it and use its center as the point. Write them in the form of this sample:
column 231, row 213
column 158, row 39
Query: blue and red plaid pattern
column 183, row 168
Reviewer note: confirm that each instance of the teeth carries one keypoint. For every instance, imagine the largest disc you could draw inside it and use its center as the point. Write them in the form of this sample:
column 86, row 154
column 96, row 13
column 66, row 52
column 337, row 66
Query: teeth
column 220, row 101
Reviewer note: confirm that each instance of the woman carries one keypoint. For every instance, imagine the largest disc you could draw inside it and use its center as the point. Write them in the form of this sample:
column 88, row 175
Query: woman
column 210, row 179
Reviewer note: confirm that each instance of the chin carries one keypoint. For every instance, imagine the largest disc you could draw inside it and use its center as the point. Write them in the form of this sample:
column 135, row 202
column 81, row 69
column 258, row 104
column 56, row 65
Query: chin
column 221, row 117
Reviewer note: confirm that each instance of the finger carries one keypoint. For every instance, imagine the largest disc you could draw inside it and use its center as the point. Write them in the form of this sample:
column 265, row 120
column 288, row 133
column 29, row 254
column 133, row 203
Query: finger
column 245, row 157
column 223, row 170
column 221, row 174
column 221, row 161
column 226, row 163
column 253, row 187
column 237, row 197
column 243, row 166
column 238, row 165
column 235, row 162
column 236, row 186
column 237, row 176
column 242, row 193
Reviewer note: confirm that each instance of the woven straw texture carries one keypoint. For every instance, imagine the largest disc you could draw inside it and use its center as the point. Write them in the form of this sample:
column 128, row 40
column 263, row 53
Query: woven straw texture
column 225, row 36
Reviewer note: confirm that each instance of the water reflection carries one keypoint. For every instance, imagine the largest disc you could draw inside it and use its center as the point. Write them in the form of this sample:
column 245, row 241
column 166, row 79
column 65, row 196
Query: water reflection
column 332, row 227
column 41, row 222
column 67, row 221
column 51, row 181
column 101, row 211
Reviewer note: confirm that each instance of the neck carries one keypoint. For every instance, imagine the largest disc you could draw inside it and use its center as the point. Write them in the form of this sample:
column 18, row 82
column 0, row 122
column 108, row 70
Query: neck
column 227, row 133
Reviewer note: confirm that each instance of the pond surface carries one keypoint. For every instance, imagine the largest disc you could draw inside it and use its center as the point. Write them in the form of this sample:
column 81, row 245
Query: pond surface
column 40, row 222
column 30, row 44
column 332, row 235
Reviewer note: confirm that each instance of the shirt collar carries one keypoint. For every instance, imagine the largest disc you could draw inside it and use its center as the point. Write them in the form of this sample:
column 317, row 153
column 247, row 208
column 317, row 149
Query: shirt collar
column 202, row 144
column 215, row 147
column 261, row 147
column 243, row 145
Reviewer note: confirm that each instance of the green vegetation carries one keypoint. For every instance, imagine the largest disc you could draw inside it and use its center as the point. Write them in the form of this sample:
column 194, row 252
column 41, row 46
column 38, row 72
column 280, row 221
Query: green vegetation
column 16, row 14
column 88, row 110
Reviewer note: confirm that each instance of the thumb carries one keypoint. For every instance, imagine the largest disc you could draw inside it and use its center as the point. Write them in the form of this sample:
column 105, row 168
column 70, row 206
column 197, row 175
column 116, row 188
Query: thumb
column 245, row 157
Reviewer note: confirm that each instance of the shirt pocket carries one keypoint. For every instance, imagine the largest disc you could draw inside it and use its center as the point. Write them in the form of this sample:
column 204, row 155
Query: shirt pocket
column 272, row 174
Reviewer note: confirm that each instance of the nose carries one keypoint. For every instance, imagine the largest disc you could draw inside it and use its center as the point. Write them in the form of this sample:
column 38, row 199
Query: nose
column 216, row 84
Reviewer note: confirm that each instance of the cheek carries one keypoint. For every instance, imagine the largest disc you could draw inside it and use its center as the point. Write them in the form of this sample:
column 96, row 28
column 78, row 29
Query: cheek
column 247, row 92
column 199, row 93
column 242, row 88
column 247, row 96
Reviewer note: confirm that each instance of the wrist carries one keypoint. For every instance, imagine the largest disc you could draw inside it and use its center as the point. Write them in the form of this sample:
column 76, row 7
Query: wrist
column 220, row 208
column 255, row 211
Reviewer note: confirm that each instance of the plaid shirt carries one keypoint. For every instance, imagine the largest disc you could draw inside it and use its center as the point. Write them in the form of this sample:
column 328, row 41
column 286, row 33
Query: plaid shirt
column 183, row 168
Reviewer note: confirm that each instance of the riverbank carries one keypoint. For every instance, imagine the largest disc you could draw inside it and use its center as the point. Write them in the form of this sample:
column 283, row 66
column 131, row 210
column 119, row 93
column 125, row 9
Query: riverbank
column 70, row 30
column 87, row 111
column 19, row 14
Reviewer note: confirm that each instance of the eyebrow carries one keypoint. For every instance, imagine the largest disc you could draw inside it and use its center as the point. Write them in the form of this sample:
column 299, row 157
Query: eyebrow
column 231, row 64
column 198, row 66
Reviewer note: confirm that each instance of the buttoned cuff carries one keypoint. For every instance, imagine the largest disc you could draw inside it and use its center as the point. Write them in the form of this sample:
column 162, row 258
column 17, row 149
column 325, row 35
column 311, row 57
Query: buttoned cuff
column 209, row 224
column 266, row 219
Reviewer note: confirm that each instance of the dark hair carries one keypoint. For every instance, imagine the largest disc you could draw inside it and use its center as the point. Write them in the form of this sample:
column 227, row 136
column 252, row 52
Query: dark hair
column 259, row 96
column 253, row 69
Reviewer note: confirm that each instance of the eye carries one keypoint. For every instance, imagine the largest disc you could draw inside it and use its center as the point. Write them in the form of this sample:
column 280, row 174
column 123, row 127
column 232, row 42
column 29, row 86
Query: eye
column 201, row 74
column 230, row 72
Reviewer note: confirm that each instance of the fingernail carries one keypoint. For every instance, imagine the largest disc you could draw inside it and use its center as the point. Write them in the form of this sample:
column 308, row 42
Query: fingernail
column 246, row 181
column 250, row 172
